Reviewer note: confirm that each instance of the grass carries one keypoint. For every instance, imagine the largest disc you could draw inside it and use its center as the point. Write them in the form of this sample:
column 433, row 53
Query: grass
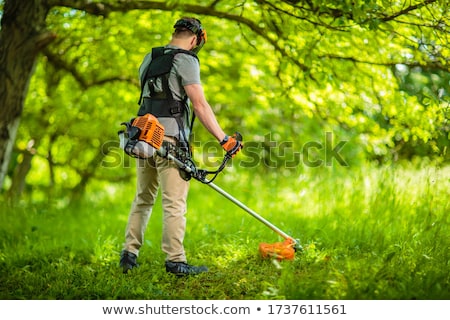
column 367, row 233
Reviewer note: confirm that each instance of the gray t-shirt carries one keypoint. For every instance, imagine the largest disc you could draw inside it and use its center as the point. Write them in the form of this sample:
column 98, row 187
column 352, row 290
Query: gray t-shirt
column 185, row 71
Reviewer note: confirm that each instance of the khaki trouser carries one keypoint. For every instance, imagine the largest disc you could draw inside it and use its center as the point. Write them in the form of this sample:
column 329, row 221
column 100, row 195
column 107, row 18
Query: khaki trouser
column 151, row 173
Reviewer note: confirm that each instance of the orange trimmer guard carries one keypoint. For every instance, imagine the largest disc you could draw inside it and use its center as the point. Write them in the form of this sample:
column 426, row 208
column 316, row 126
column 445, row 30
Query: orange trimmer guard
column 279, row 250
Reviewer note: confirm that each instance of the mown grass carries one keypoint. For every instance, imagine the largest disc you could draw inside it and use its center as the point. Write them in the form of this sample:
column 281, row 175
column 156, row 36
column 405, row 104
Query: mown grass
column 367, row 233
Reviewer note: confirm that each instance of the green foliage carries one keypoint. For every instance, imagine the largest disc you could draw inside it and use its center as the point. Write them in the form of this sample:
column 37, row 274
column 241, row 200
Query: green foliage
column 368, row 233
column 297, row 79
column 373, row 73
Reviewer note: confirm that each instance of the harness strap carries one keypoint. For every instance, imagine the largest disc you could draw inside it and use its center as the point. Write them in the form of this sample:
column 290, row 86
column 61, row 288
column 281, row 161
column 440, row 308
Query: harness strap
column 161, row 107
column 153, row 71
column 162, row 104
column 156, row 52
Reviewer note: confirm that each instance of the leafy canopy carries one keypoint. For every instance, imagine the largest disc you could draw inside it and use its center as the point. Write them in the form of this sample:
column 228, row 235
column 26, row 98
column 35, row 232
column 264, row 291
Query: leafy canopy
column 374, row 73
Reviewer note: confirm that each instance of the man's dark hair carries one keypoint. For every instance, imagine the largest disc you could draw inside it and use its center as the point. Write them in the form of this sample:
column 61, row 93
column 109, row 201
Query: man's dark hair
column 191, row 25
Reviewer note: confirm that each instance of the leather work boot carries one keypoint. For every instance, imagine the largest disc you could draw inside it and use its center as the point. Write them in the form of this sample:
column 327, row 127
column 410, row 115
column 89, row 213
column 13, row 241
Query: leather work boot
column 128, row 261
column 183, row 269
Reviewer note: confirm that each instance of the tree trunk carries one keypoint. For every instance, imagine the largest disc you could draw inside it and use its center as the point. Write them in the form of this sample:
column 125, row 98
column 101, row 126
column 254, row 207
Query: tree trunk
column 20, row 174
column 22, row 37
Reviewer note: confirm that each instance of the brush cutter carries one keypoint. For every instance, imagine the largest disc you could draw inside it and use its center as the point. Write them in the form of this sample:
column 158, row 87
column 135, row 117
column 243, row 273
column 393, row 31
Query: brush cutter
column 144, row 136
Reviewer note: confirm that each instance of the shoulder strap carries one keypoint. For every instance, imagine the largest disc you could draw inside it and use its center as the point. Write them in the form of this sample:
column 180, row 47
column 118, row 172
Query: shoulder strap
column 164, row 57
column 156, row 52
column 160, row 65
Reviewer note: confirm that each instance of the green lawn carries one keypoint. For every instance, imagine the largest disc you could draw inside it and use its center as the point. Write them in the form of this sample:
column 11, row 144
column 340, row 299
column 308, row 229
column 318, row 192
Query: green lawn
column 367, row 233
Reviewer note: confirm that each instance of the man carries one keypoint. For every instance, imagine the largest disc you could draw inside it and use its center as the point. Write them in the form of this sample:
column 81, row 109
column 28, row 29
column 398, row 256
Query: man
column 167, row 97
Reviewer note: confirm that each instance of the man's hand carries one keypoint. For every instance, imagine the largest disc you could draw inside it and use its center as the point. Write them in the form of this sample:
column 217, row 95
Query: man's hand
column 233, row 144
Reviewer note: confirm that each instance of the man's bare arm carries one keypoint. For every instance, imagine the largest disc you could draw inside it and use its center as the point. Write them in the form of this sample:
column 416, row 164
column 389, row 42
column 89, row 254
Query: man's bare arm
column 203, row 110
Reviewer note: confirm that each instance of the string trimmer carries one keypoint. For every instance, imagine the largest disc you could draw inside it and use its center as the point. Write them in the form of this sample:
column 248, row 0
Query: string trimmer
column 144, row 136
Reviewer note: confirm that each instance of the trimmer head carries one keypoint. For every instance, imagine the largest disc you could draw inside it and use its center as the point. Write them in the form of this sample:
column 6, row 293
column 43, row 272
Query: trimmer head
column 280, row 250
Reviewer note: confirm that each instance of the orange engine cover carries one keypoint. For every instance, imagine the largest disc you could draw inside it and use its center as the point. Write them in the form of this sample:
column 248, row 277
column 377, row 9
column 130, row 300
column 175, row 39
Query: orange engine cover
column 152, row 131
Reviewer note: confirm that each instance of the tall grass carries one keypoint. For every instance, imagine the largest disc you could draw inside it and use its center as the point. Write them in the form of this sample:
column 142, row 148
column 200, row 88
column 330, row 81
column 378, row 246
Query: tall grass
column 367, row 233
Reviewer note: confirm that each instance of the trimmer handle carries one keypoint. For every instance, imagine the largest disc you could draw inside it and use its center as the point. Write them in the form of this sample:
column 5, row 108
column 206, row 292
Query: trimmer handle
column 238, row 136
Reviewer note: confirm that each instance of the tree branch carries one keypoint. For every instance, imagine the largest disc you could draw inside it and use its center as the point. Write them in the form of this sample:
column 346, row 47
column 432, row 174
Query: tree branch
column 64, row 65
column 408, row 10
column 104, row 9
column 432, row 65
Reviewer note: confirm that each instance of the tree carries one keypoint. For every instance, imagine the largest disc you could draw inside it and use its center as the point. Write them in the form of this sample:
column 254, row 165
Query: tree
column 333, row 62
column 22, row 37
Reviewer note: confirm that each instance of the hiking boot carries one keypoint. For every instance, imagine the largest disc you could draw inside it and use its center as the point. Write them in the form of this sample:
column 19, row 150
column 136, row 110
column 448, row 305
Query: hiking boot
column 183, row 269
column 128, row 261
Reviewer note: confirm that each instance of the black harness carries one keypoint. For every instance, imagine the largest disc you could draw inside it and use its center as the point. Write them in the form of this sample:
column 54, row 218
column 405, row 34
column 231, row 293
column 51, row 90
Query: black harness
column 162, row 104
